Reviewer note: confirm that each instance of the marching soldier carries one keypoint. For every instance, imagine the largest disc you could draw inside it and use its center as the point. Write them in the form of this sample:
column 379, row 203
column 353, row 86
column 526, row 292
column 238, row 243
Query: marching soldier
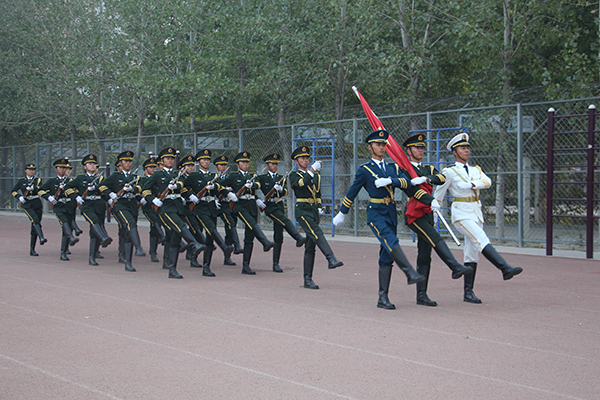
column 464, row 183
column 306, row 183
column 246, row 207
column 380, row 180
column 163, row 189
column 120, row 189
column 226, row 213
column 84, row 189
column 156, row 233
column 53, row 190
column 273, row 186
column 26, row 192
column 71, row 210
column 422, row 222
column 122, row 231
column 204, row 192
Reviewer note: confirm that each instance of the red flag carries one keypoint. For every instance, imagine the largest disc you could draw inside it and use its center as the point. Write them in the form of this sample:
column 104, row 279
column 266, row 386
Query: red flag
column 414, row 209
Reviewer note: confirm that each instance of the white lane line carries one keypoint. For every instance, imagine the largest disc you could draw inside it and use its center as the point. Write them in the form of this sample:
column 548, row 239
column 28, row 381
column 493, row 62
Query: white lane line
column 406, row 360
column 61, row 378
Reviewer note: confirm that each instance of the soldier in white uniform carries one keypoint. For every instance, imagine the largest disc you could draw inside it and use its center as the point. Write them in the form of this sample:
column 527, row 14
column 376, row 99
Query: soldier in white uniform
column 464, row 183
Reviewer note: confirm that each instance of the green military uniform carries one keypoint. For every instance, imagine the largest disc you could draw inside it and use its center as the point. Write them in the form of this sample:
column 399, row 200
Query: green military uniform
column 423, row 226
column 26, row 192
column 307, row 188
column 71, row 209
column 120, row 189
column 84, row 189
column 156, row 233
column 245, row 208
column 274, row 184
column 207, row 208
column 170, row 211
column 226, row 213
column 53, row 190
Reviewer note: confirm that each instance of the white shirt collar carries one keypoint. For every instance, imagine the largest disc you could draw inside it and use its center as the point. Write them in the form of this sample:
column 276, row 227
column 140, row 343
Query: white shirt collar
column 416, row 164
column 377, row 162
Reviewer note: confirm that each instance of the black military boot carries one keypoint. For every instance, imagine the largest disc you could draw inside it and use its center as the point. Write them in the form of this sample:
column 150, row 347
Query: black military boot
column 259, row 234
column 172, row 263
column 492, row 255
column 291, row 229
column 246, row 259
column 237, row 249
column 276, row 255
column 309, row 264
column 93, row 248
column 32, row 242
column 69, row 234
column 458, row 270
column 137, row 243
column 104, row 239
column 326, row 250
column 218, row 240
column 63, row 248
column 38, row 230
column 166, row 255
column 128, row 252
column 153, row 248
column 422, row 298
column 76, row 228
column 469, row 296
column 192, row 242
column 401, row 261
column 385, row 275
column 158, row 232
column 207, row 258
column 121, row 252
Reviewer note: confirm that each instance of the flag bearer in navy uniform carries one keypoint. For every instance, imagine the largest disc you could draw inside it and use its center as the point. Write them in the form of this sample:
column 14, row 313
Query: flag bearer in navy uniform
column 464, row 183
column 274, row 208
column 170, row 208
column 306, row 183
column 380, row 180
column 53, row 190
column 120, row 190
column 427, row 236
column 84, row 189
column 207, row 207
column 26, row 192
column 225, row 212
column 157, row 235
column 246, row 207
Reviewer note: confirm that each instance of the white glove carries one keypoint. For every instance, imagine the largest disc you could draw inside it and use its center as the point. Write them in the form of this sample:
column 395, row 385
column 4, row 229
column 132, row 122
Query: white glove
column 435, row 205
column 381, row 182
column 183, row 201
column 143, row 201
column 52, row 200
column 278, row 187
column 232, row 197
column 61, row 186
column 128, row 187
column 157, row 202
column 210, row 186
column 464, row 185
column 261, row 204
column 91, row 188
column 194, row 198
column 321, row 211
column 248, row 184
column 113, row 195
column 172, row 186
column 29, row 188
column 110, row 202
column 22, row 199
column 80, row 200
column 418, row 180
column 317, row 166
column 218, row 204
column 339, row 218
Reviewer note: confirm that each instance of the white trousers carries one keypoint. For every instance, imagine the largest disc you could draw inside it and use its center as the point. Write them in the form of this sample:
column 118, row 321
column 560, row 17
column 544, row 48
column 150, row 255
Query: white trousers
column 475, row 238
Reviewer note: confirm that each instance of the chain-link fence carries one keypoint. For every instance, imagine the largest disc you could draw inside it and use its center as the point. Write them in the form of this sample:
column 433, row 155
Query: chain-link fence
column 509, row 143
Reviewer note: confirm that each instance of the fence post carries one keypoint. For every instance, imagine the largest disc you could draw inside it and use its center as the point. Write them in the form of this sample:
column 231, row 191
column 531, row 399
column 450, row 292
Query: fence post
column 354, row 168
column 521, row 213
column 589, row 242
column 429, row 133
column 549, row 181
column 240, row 139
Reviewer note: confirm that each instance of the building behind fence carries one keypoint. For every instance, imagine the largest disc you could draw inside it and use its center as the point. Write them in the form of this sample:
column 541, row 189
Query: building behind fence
column 508, row 142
